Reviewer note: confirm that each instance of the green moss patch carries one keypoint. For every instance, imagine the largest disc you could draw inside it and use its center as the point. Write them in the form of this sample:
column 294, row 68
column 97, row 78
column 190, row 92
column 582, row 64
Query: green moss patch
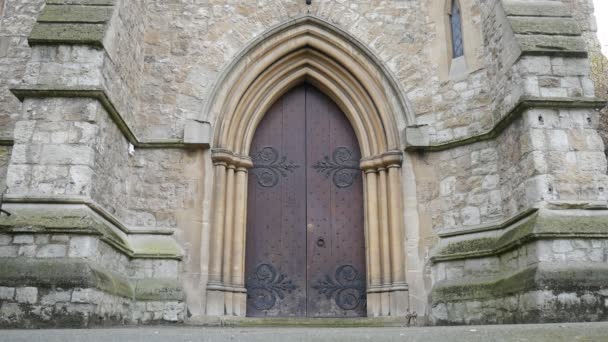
column 62, row 273
column 541, row 225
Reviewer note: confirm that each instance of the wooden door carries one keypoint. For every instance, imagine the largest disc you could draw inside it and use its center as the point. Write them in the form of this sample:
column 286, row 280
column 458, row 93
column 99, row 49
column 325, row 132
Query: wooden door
column 305, row 251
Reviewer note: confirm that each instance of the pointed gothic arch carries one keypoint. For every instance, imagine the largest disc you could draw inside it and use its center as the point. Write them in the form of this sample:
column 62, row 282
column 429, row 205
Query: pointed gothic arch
column 311, row 50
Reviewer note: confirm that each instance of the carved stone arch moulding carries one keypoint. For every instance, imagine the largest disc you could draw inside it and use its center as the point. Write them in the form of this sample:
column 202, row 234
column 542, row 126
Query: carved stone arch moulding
column 308, row 50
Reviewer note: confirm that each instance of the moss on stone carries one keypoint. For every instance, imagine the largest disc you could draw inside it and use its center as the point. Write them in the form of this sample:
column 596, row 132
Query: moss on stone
column 469, row 246
column 62, row 273
column 75, row 14
column 541, row 225
column 59, row 222
column 67, row 33
column 566, row 278
column 159, row 290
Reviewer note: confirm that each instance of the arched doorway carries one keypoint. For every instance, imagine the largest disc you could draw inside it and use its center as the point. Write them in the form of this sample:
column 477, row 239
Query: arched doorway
column 307, row 50
column 305, row 238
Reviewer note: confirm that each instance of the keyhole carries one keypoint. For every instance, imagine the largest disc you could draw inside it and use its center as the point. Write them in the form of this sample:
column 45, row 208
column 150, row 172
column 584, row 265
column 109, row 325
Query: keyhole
column 321, row 242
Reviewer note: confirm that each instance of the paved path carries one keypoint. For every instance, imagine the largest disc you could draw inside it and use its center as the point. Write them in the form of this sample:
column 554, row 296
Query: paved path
column 549, row 333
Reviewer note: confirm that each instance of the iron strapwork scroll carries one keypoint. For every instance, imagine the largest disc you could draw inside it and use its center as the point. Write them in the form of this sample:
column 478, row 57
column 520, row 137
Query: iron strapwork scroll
column 343, row 166
column 347, row 287
column 267, row 285
column 268, row 167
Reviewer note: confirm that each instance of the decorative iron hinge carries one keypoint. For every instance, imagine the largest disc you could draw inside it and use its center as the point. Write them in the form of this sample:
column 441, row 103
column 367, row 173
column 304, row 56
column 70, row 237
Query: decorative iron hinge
column 348, row 286
column 343, row 167
column 268, row 168
column 266, row 285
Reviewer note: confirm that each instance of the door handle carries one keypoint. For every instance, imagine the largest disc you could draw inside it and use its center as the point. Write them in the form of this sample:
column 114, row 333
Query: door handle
column 321, row 242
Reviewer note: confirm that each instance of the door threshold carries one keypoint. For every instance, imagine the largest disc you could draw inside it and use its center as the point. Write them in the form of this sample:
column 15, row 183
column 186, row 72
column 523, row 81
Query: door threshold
column 332, row 322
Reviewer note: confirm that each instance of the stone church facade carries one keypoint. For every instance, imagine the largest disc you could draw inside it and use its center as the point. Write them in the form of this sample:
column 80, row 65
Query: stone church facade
column 171, row 161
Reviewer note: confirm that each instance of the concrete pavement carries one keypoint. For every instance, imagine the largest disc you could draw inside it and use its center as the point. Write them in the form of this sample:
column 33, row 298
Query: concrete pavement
column 547, row 332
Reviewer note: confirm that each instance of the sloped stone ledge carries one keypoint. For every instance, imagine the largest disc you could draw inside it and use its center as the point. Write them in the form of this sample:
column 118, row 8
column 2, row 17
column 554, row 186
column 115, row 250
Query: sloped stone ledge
column 39, row 216
column 545, row 28
column 541, row 224
column 67, row 292
column 417, row 139
column 101, row 95
column 74, row 22
column 546, row 292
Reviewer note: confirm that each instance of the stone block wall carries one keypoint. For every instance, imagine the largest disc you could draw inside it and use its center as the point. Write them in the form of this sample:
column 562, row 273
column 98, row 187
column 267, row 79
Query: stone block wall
column 63, row 280
column 5, row 154
column 54, row 148
column 16, row 21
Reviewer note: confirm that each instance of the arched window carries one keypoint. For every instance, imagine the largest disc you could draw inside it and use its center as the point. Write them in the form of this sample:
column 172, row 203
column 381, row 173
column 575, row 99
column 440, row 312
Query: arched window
column 456, row 28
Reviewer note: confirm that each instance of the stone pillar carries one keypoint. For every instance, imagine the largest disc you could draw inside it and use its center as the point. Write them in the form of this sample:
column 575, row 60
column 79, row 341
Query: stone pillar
column 383, row 221
column 215, row 294
column 399, row 301
column 238, row 245
column 374, row 275
column 385, row 245
column 226, row 287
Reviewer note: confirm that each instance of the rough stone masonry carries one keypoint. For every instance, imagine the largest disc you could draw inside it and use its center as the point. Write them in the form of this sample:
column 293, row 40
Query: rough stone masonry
column 107, row 136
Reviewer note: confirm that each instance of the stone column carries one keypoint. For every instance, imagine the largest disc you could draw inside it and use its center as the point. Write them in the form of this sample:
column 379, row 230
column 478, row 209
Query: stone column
column 215, row 288
column 383, row 222
column 373, row 248
column 399, row 289
column 238, row 245
column 226, row 288
column 387, row 287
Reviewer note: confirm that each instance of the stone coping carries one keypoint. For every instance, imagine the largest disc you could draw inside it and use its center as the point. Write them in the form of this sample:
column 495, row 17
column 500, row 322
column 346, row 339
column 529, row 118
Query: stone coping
column 524, row 104
column 72, row 22
column 69, row 273
column 85, row 200
column 446, row 233
column 543, row 224
column 78, row 219
column 570, row 277
column 100, row 95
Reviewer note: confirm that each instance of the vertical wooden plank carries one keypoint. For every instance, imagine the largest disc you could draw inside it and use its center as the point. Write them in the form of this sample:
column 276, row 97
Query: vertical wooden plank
column 336, row 252
column 275, row 253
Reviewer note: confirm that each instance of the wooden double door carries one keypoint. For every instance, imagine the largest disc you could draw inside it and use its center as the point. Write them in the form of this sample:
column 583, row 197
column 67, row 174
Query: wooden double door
column 305, row 252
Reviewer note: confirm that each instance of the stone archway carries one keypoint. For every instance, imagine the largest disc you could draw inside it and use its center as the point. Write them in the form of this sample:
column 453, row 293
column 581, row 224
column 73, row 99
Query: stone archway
column 309, row 50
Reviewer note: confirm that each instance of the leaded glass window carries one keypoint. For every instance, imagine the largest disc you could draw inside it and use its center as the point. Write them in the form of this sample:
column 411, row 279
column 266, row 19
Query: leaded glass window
column 456, row 24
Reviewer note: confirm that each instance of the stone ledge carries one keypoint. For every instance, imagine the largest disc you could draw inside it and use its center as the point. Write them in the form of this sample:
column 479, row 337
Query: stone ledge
column 445, row 233
column 72, row 22
column 536, row 8
column 78, row 273
column 101, row 96
column 82, row 2
column 571, row 277
column 67, row 34
column 62, row 273
column 524, row 104
column 544, row 224
column 77, row 219
column 545, row 26
column 75, row 14
column 84, row 200
column 551, row 45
